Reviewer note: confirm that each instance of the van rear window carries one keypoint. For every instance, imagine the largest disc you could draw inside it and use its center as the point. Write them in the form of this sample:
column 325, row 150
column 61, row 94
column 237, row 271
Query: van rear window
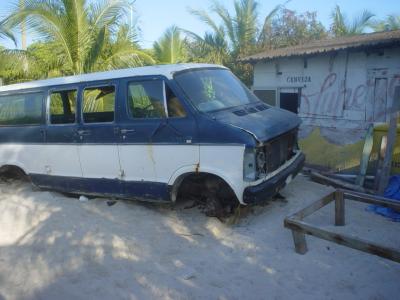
column 22, row 109
column 99, row 104
column 63, row 107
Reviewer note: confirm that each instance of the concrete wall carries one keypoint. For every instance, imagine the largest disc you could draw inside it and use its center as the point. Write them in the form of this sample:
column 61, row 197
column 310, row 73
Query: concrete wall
column 341, row 95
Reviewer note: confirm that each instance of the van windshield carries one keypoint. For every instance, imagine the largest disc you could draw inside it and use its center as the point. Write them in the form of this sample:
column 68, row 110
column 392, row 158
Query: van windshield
column 214, row 89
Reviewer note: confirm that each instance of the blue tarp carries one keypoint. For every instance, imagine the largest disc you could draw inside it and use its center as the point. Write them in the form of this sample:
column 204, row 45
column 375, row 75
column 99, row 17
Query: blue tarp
column 392, row 191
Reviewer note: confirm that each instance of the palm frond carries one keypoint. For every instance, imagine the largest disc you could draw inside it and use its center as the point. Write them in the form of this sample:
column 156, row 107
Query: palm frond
column 107, row 13
column 205, row 18
column 361, row 22
column 228, row 21
column 170, row 48
column 5, row 32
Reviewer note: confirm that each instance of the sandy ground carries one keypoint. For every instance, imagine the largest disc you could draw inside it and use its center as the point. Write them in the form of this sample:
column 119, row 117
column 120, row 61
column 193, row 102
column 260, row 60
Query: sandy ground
column 55, row 247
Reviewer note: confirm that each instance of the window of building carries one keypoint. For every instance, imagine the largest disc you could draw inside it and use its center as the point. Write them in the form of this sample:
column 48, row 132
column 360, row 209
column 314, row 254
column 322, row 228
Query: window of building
column 268, row 96
column 63, row 107
column 290, row 102
column 23, row 109
column 98, row 104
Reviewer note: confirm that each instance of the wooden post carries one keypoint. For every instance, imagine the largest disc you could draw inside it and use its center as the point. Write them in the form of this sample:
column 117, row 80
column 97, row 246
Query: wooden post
column 339, row 209
column 300, row 242
column 391, row 141
column 369, row 142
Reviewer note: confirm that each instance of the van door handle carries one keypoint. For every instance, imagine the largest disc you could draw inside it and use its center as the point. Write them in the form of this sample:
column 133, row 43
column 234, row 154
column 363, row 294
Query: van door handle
column 43, row 133
column 84, row 132
column 125, row 131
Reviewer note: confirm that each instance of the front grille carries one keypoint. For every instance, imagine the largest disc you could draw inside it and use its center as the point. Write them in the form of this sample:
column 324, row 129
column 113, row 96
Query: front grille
column 277, row 151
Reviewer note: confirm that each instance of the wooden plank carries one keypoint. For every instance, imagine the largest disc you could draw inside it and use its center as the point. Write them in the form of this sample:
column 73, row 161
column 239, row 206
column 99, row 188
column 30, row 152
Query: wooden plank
column 300, row 243
column 366, row 154
column 379, row 162
column 313, row 207
column 339, row 209
column 355, row 243
column 337, row 183
column 371, row 199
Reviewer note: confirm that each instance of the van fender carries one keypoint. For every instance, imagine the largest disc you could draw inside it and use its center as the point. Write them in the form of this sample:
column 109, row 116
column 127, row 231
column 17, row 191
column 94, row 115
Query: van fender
column 14, row 164
column 180, row 174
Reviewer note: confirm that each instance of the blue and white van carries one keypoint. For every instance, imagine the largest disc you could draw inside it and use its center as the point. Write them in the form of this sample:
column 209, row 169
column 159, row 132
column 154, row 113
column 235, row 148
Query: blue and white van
column 144, row 133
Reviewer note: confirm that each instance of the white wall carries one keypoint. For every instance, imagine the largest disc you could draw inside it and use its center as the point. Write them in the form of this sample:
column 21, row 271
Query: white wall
column 338, row 89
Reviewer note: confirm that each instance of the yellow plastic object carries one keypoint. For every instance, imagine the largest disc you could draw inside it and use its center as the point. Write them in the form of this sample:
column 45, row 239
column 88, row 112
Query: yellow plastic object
column 379, row 132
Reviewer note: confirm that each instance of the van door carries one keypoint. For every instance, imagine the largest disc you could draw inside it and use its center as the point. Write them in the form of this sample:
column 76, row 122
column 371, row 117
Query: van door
column 98, row 150
column 62, row 157
column 155, row 138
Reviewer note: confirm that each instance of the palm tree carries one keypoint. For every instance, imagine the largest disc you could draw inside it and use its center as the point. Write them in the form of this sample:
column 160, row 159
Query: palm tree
column 81, row 30
column 212, row 48
column 239, row 30
column 123, row 51
column 263, row 38
column 341, row 26
column 171, row 47
column 234, row 36
column 5, row 32
column 392, row 22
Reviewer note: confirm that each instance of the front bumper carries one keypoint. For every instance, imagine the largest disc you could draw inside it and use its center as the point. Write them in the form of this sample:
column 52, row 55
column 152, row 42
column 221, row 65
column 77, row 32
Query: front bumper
column 270, row 187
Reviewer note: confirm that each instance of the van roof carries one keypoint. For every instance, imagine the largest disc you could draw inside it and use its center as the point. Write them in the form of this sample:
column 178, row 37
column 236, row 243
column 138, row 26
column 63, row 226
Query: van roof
column 165, row 70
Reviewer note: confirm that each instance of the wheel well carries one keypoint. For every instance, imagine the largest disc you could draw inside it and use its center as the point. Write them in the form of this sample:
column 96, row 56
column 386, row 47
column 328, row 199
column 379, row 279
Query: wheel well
column 13, row 172
column 202, row 184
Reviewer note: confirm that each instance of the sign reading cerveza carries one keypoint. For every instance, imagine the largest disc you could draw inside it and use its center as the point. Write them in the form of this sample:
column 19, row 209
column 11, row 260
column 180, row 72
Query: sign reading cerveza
column 298, row 79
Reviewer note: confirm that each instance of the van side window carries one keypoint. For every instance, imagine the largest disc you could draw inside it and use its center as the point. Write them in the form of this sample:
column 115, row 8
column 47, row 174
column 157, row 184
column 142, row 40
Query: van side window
column 175, row 108
column 98, row 104
column 146, row 99
column 63, row 107
column 23, row 109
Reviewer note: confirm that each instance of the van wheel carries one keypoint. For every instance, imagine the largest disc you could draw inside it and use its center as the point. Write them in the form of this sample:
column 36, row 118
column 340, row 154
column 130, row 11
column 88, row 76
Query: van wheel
column 213, row 207
column 210, row 193
column 11, row 173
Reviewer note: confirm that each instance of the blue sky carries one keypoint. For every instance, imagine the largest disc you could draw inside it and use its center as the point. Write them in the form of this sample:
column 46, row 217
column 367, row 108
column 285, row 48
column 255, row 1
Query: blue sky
column 154, row 16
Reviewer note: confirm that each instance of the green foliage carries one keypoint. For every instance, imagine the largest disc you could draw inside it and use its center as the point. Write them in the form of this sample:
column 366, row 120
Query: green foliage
column 289, row 28
column 40, row 60
column 122, row 52
column 170, row 48
column 237, row 33
column 80, row 30
column 392, row 22
column 5, row 32
column 235, row 36
column 341, row 26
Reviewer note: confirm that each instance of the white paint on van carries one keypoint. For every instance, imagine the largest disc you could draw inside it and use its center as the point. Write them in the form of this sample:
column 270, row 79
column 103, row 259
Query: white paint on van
column 108, row 161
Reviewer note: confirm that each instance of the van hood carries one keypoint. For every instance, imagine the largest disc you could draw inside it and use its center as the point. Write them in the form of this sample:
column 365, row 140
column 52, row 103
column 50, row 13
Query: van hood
column 262, row 121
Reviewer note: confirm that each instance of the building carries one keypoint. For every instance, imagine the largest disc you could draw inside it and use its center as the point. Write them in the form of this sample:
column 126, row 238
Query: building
column 337, row 86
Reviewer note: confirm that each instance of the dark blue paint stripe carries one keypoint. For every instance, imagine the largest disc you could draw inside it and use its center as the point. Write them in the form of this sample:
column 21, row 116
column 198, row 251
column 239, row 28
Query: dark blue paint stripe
column 138, row 190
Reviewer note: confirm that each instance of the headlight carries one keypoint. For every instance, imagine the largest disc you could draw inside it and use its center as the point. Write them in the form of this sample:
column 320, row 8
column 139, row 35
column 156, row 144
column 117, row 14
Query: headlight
column 249, row 165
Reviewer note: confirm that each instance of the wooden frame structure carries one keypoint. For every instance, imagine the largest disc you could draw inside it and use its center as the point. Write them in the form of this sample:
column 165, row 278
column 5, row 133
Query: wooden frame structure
column 300, row 228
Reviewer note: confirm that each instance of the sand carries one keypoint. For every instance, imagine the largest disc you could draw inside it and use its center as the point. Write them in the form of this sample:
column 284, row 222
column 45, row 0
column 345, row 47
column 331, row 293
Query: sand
column 55, row 247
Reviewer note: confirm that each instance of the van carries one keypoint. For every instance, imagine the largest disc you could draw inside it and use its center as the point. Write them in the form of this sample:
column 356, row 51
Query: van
column 149, row 133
